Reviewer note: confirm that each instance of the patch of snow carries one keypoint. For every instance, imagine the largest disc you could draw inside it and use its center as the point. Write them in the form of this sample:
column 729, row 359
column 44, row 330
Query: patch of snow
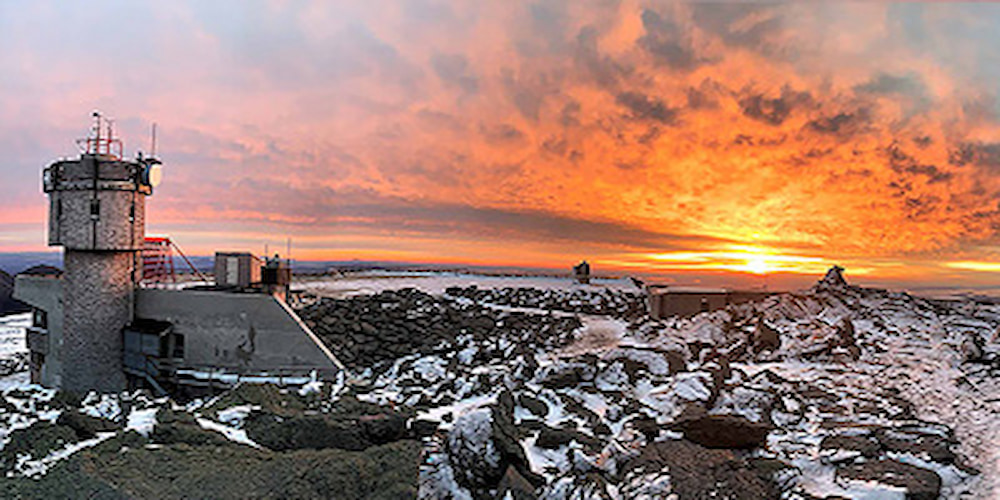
column 28, row 467
column 233, row 434
column 142, row 421
column 457, row 409
column 235, row 415
column 101, row 405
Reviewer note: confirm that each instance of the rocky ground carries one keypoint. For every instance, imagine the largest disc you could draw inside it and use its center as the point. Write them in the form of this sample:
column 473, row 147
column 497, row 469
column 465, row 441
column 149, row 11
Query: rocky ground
column 468, row 393
column 254, row 442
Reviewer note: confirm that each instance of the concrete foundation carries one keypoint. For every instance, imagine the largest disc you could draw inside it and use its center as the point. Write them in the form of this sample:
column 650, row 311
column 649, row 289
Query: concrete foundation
column 46, row 344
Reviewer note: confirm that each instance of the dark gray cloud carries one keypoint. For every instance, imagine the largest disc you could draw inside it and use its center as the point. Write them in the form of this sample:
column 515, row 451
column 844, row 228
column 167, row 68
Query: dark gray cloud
column 982, row 154
column 845, row 124
column 603, row 69
column 903, row 163
column 526, row 95
column 745, row 24
column 667, row 42
column 774, row 110
column 454, row 69
column 644, row 107
column 328, row 209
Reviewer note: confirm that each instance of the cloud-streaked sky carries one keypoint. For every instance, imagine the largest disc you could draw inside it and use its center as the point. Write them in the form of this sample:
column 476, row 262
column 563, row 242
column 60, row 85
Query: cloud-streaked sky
column 691, row 139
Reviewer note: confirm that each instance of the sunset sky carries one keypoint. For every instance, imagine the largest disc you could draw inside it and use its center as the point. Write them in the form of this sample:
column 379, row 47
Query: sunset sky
column 704, row 142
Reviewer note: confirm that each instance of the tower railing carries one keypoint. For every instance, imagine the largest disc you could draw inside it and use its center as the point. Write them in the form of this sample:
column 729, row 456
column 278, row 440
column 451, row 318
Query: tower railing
column 158, row 261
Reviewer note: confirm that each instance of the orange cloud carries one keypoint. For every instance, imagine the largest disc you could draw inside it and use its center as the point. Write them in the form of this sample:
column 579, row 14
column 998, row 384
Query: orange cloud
column 748, row 138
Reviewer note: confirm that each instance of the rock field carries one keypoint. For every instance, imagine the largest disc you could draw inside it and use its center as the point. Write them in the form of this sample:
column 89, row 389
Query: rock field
column 832, row 392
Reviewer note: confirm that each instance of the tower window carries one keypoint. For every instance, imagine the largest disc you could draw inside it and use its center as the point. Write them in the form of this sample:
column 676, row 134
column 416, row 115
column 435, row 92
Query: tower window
column 40, row 319
column 131, row 213
column 59, row 209
column 95, row 209
column 178, row 346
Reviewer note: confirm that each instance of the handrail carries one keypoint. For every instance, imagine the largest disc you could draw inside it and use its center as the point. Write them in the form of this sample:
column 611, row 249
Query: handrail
column 195, row 269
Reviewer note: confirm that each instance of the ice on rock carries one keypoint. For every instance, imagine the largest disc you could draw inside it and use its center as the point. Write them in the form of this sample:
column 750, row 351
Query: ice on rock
column 471, row 446
column 693, row 386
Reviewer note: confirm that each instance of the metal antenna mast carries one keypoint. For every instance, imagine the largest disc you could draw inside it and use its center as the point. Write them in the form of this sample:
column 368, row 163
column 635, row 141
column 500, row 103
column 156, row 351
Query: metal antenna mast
column 152, row 141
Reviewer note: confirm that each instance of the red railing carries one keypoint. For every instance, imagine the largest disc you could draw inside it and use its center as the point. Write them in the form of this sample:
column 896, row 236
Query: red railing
column 158, row 260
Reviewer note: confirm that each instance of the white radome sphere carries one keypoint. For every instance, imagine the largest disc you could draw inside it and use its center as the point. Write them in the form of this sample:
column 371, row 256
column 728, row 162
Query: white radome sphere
column 155, row 175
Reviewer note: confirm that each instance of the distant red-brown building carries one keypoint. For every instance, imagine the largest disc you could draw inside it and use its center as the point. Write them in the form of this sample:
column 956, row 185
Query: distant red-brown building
column 665, row 301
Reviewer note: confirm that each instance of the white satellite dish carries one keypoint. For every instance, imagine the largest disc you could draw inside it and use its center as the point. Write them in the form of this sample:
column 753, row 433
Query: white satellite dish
column 155, row 175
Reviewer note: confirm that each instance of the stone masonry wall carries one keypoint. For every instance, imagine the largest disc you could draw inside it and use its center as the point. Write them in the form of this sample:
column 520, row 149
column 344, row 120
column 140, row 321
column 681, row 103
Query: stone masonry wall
column 97, row 303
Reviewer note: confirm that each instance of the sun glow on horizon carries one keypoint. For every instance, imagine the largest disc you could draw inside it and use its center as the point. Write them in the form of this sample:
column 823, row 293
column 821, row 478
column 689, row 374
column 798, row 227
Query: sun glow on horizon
column 749, row 259
column 968, row 265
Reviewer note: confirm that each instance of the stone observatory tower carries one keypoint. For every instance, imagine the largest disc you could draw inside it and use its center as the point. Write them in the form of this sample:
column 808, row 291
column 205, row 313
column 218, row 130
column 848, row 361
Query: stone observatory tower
column 97, row 214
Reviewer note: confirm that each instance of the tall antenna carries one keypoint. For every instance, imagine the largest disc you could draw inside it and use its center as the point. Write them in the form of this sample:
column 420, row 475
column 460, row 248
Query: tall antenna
column 152, row 141
column 97, row 133
column 99, row 142
column 111, row 135
column 288, row 254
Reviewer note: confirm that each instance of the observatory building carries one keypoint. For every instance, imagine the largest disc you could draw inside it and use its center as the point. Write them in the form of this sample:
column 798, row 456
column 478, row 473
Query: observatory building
column 97, row 327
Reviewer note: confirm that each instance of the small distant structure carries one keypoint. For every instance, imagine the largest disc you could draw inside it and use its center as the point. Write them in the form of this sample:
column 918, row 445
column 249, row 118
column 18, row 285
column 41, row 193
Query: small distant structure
column 237, row 269
column 581, row 273
column 665, row 301
column 834, row 278
column 276, row 277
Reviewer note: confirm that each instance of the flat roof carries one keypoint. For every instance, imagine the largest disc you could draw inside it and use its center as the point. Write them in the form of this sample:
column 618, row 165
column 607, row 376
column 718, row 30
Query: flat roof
column 700, row 290
column 688, row 289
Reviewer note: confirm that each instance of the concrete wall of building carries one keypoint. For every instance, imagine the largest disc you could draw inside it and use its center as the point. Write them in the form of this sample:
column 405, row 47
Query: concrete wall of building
column 741, row 297
column 98, row 295
column 45, row 293
column 236, row 331
column 665, row 303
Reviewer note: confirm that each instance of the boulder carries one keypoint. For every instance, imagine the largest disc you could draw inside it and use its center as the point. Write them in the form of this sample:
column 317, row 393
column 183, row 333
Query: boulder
column 551, row 438
column 37, row 440
column 701, row 473
column 516, row 486
column 845, row 333
column 382, row 428
column 866, row 446
column 920, row 483
column 420, row 428
column 86, row 426
column 721, row 431
column 305, row 432
column 173, row 427
column 676, row 361
column 534, row 405
column 765, row 338
column 928, row 446
column 567, row 375
column 646, row 426
column 973, row 348
column 483, row 444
